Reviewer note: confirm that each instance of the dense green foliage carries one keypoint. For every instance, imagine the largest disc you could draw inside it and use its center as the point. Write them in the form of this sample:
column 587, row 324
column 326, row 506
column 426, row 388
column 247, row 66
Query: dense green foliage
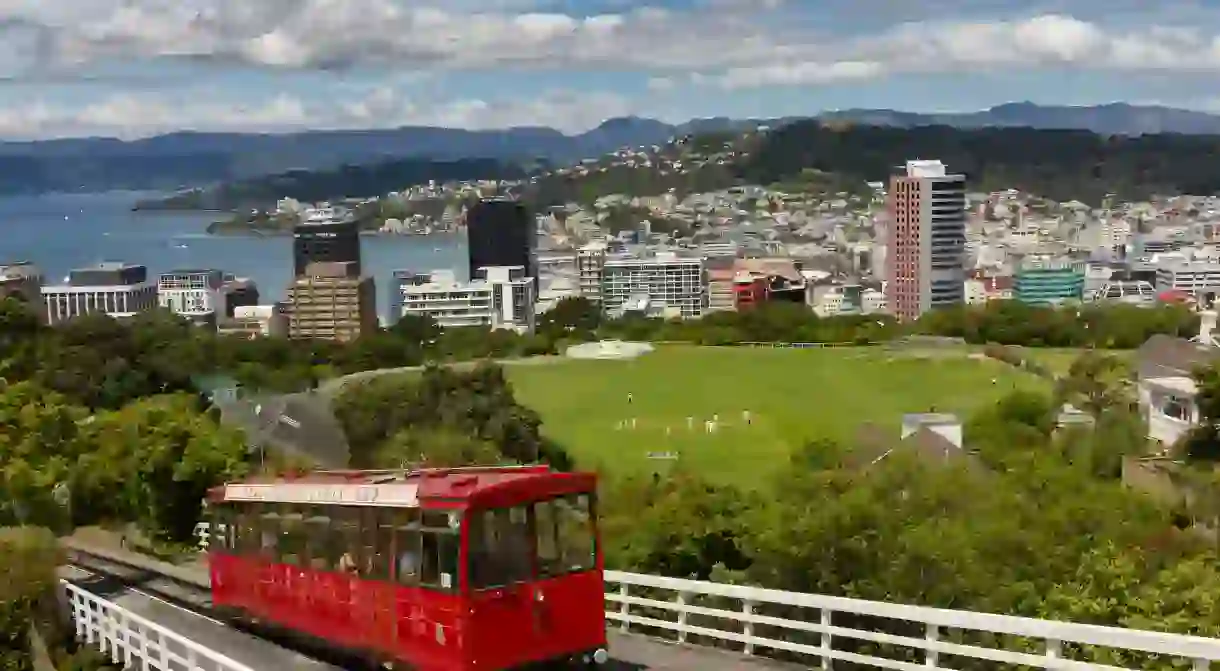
column 442, row 417
column 1058, row 164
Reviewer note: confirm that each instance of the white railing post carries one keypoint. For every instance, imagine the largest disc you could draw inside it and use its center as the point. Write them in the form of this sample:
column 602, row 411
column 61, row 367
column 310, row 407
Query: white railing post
column 932, row 657
column 747, row 609
column 681, row 617
column 623, row 608
column 827, row 642
column 145, row 664
column 1054, row 651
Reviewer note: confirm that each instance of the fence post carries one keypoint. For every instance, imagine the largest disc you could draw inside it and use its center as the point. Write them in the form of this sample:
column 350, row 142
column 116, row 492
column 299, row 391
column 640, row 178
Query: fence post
column 1054, row 650
column 623, row 609
column 932, row 657
column 747, row 609
column 681, row 617
column 827, row 644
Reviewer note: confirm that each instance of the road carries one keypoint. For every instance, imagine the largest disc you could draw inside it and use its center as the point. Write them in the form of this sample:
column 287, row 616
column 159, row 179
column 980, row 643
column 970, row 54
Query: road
column 173, row 604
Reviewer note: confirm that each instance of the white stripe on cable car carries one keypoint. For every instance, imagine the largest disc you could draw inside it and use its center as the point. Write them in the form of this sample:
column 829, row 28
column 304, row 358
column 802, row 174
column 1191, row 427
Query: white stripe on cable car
column 391, row 494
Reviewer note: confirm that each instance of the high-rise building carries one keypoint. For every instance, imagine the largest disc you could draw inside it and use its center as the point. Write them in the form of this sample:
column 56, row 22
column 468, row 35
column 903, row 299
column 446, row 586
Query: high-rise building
column 193, row 294
column 118, row 289
column 331, row 301
column 501, row 233
column 590, row 260
column 926, row 239
column 323, row 238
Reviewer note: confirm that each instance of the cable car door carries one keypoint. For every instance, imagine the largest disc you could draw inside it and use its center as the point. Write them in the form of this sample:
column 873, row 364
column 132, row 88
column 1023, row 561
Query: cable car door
column 500, row 564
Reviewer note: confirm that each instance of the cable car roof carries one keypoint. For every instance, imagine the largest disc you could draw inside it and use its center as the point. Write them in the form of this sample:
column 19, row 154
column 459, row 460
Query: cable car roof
column 388, row 488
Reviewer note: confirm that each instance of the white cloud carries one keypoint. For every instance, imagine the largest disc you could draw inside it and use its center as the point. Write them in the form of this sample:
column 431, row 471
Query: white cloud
column 746, row 43
column 133, row 116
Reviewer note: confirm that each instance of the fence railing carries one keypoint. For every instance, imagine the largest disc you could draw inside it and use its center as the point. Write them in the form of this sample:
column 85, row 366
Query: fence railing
column 819, row 629
column 816, row 629
column 136, row 642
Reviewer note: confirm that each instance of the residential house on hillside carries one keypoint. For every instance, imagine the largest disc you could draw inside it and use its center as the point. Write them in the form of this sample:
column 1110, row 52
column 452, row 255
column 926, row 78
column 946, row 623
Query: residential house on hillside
column 1166, row 389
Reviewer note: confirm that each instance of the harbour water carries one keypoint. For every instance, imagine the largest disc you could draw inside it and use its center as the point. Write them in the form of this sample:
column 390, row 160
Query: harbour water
column 59, row 232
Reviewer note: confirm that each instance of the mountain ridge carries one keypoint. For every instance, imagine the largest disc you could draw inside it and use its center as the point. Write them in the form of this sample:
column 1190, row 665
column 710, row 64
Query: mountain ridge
column 186, row 159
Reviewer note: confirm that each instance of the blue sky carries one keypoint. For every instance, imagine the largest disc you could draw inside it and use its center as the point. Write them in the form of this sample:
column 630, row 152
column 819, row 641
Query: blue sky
column 132, row 68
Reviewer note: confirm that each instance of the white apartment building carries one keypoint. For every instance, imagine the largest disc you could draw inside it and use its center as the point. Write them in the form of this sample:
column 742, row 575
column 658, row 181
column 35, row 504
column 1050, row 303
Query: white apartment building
column 256, row 321
column 673, row 284
column 590, row 260
column 194, row 294
column 1199, row 278
column 117, row 289
column 500, row 297
column 829, row 301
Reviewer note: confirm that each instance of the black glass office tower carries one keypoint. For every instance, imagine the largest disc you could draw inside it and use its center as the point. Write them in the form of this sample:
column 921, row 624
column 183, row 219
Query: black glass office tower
column 500, row 232
column 327, row 242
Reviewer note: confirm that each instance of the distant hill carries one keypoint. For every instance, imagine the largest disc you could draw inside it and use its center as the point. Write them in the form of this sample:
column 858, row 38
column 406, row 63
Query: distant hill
column 349, row 181
column 1112, row 119
column 190, row 159
column 181, row 160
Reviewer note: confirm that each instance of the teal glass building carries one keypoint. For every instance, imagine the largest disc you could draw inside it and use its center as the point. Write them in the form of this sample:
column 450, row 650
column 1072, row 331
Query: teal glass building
column 1048, row 282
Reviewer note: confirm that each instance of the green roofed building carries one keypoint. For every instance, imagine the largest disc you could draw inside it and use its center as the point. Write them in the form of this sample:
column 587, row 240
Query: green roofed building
column 1045, row 281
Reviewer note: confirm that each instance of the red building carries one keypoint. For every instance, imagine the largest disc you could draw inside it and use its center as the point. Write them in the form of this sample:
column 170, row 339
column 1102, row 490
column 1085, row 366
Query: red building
column 925, row 239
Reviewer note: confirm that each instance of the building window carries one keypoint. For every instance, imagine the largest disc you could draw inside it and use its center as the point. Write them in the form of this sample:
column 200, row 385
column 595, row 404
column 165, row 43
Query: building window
column 1177, row 408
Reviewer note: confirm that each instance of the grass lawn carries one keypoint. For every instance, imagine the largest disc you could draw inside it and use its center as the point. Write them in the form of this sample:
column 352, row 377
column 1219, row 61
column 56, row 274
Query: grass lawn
column 793, row 396
column 1060, row 361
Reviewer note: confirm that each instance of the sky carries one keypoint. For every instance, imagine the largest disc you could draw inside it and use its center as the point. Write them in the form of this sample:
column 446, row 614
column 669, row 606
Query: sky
column 134, row 68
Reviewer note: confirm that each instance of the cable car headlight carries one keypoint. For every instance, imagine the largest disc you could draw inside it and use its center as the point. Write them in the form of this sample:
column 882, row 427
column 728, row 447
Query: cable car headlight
column 455, row 519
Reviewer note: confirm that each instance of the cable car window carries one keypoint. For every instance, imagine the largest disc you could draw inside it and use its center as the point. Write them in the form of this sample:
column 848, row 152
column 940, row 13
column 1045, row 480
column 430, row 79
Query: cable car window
column 248, row 529
column 292, row 548
column 500, row 547
column 574, row 529
column 547, row 542
column 407, row 547
column 220, row 529
column 345, row 525
column 321, row 542
column 267, row 533
column 439, row 547
column 378, row 544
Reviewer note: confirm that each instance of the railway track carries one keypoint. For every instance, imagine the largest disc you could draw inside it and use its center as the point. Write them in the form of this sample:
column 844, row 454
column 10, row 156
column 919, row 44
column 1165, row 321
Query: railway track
column 191, row 604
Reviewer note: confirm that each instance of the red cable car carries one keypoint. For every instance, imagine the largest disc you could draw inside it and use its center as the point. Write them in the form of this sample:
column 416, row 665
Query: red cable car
column 438, row 570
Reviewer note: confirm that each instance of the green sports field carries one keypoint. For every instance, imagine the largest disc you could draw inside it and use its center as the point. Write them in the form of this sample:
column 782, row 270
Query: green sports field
column 792, row 396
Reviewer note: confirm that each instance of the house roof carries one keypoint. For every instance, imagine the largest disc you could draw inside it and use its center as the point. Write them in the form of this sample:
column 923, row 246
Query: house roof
column 874, row 443
column 1167, row 356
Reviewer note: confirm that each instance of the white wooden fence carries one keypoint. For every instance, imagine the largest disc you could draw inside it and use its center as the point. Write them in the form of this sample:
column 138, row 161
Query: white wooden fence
column 818, row 629
column 815, row 629
column 136, row 642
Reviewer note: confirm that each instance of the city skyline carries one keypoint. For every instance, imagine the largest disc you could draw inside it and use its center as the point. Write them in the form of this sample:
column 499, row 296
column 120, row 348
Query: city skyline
column 133, row 68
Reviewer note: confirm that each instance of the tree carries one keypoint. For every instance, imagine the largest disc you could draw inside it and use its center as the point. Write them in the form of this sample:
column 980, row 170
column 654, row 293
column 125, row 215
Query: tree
column 1097, row 382
column 40, row 447
column 170, row 454
column 437, row 447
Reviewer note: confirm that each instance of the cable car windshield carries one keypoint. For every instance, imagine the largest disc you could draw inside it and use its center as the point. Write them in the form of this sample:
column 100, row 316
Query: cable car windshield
column 505, row 542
